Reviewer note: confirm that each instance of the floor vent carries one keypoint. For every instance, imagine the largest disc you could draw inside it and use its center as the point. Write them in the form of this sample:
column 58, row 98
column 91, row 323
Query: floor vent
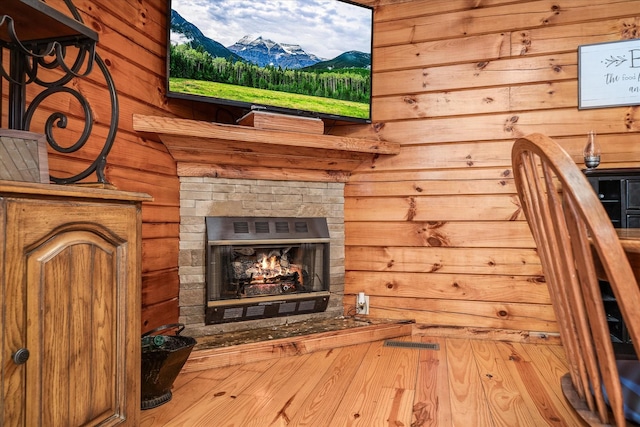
column 406, row 344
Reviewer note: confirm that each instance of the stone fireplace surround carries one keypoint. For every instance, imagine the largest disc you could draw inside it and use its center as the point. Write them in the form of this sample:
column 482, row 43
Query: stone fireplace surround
column 203, row 196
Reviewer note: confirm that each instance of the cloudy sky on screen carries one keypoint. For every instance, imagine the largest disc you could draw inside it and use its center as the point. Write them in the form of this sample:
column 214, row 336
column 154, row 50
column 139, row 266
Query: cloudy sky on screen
column 325, row 28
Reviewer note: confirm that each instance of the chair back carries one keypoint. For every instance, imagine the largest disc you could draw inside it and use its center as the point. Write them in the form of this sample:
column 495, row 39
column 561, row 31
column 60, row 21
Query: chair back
column 574, row 237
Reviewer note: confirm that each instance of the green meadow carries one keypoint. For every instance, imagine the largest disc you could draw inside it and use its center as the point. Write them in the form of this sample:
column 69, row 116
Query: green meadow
column 269, row 97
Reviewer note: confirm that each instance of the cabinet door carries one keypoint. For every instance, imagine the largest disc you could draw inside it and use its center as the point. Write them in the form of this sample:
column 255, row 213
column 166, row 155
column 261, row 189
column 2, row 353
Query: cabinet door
column 610, row 193
column 633, row 194
column 67, row 271
column 633, row 220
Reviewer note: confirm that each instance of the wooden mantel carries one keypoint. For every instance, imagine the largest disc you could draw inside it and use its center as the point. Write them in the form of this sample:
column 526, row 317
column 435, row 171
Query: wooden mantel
column 232, row 151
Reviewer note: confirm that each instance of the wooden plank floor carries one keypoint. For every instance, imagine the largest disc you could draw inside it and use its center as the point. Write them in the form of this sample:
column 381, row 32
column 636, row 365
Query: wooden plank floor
column 467, row 383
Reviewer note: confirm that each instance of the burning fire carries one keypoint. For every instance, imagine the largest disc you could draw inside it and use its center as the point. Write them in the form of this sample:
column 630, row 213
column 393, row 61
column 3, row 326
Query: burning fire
column 271, row 265
column 269, row 271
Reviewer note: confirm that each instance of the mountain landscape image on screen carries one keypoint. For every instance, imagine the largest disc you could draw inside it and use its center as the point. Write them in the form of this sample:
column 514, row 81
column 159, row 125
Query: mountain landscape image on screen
column 257, row 70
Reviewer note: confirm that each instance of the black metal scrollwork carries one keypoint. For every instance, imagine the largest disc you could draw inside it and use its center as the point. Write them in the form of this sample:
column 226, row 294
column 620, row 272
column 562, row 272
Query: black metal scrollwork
column 27, row 58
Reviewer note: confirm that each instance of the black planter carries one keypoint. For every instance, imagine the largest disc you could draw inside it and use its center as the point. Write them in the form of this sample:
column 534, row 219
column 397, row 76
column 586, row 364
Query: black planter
column 163, row 356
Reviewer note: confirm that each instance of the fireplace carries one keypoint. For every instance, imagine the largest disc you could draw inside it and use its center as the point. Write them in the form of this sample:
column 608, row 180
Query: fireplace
column 260, row 267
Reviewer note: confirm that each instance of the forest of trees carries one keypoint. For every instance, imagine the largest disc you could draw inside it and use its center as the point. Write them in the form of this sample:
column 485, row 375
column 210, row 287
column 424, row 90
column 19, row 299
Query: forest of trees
column 351, row 84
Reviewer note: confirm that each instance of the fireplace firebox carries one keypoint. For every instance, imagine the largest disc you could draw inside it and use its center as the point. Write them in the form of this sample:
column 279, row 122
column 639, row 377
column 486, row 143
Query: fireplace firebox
column 259, row 267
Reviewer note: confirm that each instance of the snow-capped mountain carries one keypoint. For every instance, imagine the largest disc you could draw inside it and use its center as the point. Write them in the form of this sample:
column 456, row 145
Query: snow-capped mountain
column 263, row 52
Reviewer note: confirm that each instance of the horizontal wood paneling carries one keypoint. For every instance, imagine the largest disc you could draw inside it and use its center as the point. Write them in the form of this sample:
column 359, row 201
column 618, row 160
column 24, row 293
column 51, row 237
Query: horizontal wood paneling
column 482, row 47
column 480, row 161
column 387, row 10
column 510, row 125
column 158, row 253
column 513, row 261
column 443, row 312
column 371, row 174
column 159, row 286
column 162, row 313
column 433, row 187
column 479, row 101
column 434, row 208
column 498, row 19
column 456, row 83
column 478, row 74
column 475, row 234
column 537, row 41
column 465, row 287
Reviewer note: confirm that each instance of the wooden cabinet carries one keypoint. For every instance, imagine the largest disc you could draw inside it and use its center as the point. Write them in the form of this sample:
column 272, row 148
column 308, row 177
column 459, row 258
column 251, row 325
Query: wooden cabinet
column 70, row 295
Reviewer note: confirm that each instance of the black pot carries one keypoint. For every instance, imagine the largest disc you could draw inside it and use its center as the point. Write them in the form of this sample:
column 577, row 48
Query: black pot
column 163, row 356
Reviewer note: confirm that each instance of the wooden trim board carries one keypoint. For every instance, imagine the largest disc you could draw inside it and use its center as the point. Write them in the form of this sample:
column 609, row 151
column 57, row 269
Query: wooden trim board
column 246, row 353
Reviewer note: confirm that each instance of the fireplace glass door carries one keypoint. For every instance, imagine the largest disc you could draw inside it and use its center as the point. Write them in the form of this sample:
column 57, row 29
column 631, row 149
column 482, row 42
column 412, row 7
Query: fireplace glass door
column 266, row 267
column 258, row 270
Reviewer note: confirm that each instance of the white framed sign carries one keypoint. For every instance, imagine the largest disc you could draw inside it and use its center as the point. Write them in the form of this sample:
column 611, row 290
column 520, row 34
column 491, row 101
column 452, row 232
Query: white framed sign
column 609, row 74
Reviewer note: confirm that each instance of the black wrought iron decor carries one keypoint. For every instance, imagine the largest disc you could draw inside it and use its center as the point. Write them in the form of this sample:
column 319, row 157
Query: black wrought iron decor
column 46, row 38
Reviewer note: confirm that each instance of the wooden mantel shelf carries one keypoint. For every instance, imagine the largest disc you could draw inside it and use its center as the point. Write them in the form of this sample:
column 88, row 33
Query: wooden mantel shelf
column 203, row 149
column 187, row 129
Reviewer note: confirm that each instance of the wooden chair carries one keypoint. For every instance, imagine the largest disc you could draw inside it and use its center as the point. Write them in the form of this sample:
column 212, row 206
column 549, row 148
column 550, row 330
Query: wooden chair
column 573, row 233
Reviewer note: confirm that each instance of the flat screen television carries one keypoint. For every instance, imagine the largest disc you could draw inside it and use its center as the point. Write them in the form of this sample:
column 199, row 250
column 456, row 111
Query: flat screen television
column 303, row 57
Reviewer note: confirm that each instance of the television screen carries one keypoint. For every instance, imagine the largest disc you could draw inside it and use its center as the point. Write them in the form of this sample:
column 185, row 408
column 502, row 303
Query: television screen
column 305, row 57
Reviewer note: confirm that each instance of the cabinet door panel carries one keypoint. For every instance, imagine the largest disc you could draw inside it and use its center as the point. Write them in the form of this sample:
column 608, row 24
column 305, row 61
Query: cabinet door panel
column 71, row 297
column 633, row 194
column 633, row 221
column 74, row 306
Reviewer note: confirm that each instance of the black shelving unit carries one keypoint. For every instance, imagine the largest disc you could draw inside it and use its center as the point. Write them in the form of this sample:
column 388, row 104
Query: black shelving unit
column 619, row 192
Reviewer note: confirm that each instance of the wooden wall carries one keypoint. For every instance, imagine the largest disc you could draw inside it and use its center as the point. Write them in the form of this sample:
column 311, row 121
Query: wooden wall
column 435, row 233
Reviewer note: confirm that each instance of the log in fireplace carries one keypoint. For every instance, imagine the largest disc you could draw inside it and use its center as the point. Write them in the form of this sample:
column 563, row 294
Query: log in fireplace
column 260, row 267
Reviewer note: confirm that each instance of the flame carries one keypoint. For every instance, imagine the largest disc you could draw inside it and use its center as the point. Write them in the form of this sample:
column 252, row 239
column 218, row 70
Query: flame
column 269, row 266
